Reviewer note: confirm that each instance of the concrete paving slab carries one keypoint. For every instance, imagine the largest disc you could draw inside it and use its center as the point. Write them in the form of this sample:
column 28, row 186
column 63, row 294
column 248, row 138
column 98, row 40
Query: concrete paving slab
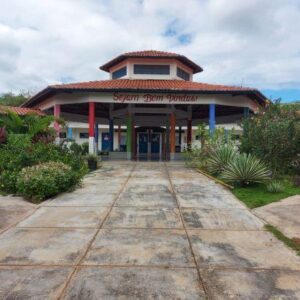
column 155, row 247
column 114, row 171
column 137, row 217
column 12, row 210
column 102, row 187
column 20, row 246
column 242, row 249
column 135, row 283
column 149, row 173
column 283, row 214
column 146, row 199
column 198, row 188
column 253, row 285
column 66, row 217
column 150, row 188
column 148, row 181
column 87, row 199
column 208, row 200
column 32, row 283
column 227, row 219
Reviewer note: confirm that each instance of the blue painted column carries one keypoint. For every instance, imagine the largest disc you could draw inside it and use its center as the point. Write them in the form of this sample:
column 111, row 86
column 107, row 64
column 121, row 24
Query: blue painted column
column 111, row 135
column 97, row 135
column 70, row 133
column 246, row 112
column 129, row 123
column 212, row 118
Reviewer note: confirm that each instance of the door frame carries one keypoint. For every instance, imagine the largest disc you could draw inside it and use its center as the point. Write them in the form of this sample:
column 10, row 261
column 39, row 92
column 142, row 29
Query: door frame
column 138, row 143
column 160, row 143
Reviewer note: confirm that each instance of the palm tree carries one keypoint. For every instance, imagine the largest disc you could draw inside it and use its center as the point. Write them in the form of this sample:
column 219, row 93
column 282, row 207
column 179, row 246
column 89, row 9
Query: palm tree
column 31, row 124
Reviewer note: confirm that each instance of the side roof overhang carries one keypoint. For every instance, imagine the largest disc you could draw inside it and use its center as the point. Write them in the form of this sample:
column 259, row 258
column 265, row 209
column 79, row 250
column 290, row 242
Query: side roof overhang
column 50, row 91
column 186, row 61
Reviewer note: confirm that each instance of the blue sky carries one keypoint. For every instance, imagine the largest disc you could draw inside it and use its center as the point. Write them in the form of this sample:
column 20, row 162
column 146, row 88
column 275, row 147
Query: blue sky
column 253, row 43
column 287, row 95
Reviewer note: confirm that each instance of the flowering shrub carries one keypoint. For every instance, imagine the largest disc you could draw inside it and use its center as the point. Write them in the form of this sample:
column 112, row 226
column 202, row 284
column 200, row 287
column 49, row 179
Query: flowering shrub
column 19, row 152
column 45, row 180
column 273, row 135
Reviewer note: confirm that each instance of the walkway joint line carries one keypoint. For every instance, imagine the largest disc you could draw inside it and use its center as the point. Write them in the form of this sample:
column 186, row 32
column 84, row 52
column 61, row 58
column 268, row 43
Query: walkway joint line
column 78, row 265
column 201, row 281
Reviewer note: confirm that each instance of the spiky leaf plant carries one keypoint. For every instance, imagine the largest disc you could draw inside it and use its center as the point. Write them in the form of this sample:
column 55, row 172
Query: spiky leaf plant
column 245, row 169
column 274, row 187
column 220, row 157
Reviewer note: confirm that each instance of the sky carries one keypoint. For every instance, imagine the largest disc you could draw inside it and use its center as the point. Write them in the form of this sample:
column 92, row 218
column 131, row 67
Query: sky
column 254, row 43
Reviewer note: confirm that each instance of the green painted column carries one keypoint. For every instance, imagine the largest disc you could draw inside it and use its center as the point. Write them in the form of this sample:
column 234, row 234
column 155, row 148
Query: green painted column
column 167, row 138
column 129, row 137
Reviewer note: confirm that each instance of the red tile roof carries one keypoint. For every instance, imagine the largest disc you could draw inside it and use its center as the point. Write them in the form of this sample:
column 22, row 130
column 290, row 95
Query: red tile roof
column 148, row 84
column 151, row 54
column 22, row 111
column 139, row 85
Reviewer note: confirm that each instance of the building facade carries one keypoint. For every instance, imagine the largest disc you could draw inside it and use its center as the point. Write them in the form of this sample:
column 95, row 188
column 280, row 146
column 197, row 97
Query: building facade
column 147, row 108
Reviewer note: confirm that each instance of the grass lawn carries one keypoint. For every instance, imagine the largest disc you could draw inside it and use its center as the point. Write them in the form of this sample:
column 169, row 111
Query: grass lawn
column 292, row 243
column 3, row 193
column 257, row 195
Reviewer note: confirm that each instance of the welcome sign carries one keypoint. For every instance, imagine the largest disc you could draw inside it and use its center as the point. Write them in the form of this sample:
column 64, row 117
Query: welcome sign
column 154, row 98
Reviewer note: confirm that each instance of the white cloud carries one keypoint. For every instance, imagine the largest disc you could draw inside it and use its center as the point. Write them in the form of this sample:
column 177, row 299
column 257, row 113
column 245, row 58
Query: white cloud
column 256, row 42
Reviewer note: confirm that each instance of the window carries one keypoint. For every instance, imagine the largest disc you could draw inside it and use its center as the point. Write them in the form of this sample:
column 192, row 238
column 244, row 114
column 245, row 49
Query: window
column 183, row 74
column 152, row 69
column 119, row 73
column 84, row 135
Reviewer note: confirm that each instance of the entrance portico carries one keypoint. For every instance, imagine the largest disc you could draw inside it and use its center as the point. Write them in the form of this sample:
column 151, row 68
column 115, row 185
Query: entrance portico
column 151, row 95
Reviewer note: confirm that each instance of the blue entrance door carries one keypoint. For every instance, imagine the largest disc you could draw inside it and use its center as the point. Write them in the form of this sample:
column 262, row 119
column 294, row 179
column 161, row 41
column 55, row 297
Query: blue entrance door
column 143, row 142
column 105, row 141
column 155, row 143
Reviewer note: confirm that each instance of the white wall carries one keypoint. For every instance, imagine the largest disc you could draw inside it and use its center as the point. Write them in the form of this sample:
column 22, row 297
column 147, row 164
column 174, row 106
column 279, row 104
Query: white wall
column 77, row 128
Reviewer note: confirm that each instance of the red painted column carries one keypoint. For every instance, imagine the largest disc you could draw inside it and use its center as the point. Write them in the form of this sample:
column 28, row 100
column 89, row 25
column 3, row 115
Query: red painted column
column 189, row 134
column 56, row 114
column 91, row 127
column 172, row 135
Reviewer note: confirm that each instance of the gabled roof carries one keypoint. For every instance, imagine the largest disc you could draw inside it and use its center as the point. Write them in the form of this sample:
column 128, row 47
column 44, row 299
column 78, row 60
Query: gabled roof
column 21, row 111
column 151, row 54
column 146, row 86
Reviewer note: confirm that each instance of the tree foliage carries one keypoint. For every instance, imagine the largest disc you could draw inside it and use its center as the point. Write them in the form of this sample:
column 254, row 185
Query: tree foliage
column 35, row 126
column 273, row 135
column 12, row 99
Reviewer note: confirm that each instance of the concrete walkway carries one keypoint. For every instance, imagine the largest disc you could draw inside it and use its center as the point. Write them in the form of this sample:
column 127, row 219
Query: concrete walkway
column 145, row 231
column 284, row 214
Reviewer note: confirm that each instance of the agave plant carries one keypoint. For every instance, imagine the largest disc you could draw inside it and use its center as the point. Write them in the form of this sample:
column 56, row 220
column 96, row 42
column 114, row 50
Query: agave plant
column 245, row 169
column 275, row 187
column 220, row 158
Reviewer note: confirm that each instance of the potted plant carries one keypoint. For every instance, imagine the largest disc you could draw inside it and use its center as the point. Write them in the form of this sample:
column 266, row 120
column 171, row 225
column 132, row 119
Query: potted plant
column 92, row 161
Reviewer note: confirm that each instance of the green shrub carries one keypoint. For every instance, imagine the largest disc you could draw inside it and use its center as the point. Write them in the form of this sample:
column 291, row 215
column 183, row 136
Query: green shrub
column 275, row 187
column 245, row 169
column 220, row 157
column 19, row 152
column 273, row 135
column 8, row 181
column 75, row 148
column 45, row 180
column 85, row 148
column 195, row 158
